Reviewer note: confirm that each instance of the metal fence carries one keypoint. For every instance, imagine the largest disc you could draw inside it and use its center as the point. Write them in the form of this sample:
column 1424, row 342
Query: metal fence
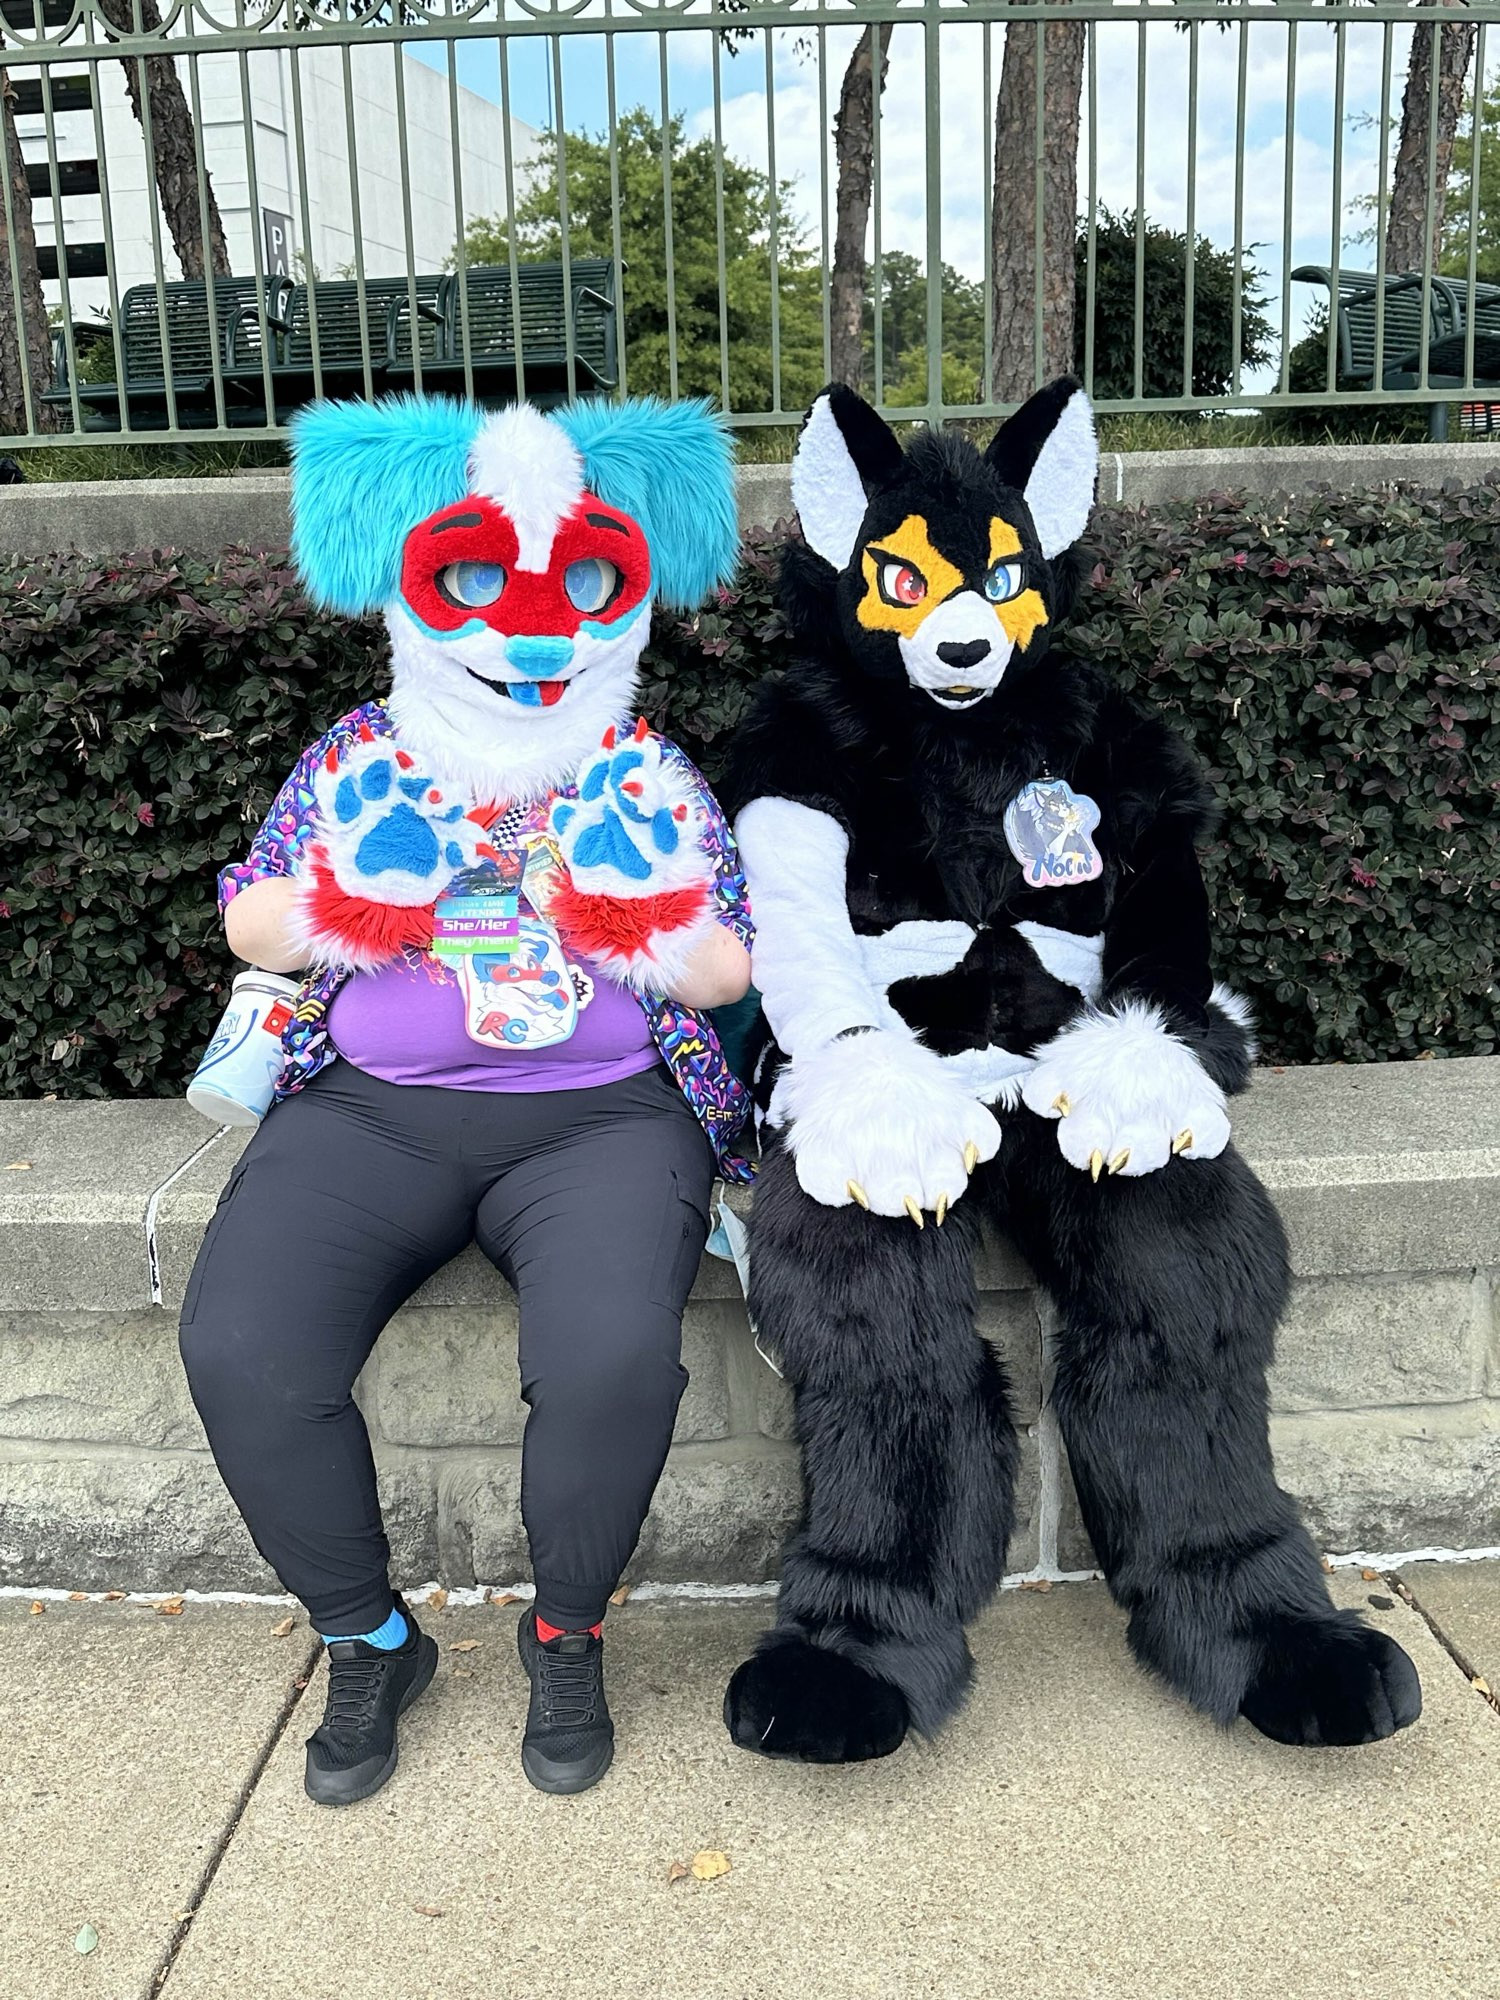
column 484, row 180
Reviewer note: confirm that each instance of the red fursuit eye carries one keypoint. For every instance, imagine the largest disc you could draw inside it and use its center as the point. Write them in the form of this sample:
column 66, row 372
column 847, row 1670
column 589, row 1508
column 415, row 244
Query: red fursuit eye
column 908, row 587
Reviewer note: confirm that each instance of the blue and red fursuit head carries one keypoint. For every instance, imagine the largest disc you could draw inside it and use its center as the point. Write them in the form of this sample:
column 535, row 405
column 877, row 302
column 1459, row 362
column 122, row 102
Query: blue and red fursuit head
column 984, row 952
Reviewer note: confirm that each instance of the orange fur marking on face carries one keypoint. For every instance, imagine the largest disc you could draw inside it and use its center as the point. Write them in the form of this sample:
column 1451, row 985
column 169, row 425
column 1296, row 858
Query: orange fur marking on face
column 1021, row 617
column 1004, row 541
column 910, row 544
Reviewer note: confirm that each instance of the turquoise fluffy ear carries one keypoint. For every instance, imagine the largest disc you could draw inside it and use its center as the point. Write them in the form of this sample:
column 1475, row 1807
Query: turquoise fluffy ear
column 670, row 466
column 363, row 475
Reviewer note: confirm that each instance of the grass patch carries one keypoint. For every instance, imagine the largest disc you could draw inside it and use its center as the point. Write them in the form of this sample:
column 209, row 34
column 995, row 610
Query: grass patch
column 90, row 460
column 773, row 444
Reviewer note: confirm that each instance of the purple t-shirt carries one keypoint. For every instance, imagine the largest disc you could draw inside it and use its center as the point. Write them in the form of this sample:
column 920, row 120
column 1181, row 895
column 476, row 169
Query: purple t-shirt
column 405, row 1024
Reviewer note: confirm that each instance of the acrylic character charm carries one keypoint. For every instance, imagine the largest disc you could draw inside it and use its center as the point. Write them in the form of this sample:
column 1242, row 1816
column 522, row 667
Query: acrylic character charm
column 1048, row 828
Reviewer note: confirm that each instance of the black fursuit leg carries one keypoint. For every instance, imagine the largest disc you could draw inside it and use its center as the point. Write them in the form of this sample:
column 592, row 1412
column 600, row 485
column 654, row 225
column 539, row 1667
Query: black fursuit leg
column 1170, row 1287
column 909, row 1461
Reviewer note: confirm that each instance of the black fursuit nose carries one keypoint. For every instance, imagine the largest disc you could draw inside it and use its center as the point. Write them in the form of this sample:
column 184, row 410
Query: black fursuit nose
column 969, row 654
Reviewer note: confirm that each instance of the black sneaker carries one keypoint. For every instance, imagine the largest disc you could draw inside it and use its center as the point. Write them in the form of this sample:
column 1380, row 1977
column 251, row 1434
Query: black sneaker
column 569, row 1738
column 353, row 1750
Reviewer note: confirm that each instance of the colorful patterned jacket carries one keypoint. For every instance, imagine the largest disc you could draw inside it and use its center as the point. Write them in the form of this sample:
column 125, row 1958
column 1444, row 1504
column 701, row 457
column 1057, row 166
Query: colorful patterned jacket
column 687, row 1041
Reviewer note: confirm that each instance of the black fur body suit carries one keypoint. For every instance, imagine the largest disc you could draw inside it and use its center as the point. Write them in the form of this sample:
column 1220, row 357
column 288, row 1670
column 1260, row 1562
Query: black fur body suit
column 951, row 1038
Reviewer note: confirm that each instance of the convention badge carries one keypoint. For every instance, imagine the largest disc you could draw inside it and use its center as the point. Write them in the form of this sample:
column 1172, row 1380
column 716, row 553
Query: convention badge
column 545, row 872
column 479, row 911
column 524, row 998
column 1047, row 828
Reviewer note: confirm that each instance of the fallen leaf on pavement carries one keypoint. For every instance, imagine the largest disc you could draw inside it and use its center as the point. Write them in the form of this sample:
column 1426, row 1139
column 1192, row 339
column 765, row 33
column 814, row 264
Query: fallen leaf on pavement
column 78, row 1597
column 169, row 1607
column 464, row 1646
column 283, row 1628
column 1328, row 1566
column 678, row 1872
column 500, row 1598
column 428, row 1910
column 1370, row 1575
column 86, row 1939
column 37, row 1608
column 436, row 1599
column 709, row 1864
column 461, row 1673
column 1037, row 1583
column 619, row 1596
column 114, row 1597
column 1482, row 1684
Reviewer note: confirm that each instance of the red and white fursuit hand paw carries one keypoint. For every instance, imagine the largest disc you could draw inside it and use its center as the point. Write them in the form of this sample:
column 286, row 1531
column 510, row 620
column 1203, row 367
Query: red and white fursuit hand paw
column 639, row 895
column 389, row 842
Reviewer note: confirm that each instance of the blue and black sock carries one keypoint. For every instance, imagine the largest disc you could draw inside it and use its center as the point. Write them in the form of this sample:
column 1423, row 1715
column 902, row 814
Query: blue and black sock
column 385, row 1638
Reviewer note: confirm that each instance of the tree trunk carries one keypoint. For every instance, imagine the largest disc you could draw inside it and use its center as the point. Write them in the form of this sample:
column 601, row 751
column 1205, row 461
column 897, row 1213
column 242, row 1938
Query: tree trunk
column 175, row 160
column 1013, row 217
column 854, row 148
column 1406, row 243
column 25, row 350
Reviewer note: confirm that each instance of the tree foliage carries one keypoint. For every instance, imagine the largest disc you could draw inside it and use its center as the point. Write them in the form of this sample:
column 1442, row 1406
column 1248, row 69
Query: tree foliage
column 1164, row 258
column 1454, row 258
column 695, row 291
column 903, row 331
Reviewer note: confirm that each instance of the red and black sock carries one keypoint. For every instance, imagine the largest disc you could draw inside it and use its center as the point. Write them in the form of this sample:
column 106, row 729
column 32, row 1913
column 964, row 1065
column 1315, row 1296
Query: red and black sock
column 546, row 1632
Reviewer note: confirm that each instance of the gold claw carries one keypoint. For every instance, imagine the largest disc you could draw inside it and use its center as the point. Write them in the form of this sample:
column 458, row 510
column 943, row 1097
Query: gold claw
column 942, row 1209
column 1120, row 1160
column 1183, row 1140
column 1096, row 1163
column 971, row 1157
column 857, row 1193
column 1062, row 1104
column 914, row 1212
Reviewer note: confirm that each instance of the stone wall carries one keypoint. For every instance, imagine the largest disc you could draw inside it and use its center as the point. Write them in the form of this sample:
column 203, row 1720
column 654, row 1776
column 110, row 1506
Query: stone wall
column 1386, row 1395
column 114, row 517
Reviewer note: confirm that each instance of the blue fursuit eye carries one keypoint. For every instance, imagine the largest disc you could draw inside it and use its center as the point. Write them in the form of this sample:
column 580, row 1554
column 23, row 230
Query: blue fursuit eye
column 1003, row 582
column 474, row 584
column 592, row 585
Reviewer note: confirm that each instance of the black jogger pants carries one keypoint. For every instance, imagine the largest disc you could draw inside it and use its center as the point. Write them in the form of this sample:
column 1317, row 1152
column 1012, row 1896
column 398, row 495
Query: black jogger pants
column 593, row 1203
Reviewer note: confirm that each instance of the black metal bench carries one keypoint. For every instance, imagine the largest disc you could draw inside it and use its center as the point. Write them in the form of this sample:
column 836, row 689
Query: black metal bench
column 194, row 333
column 385, row 326
column 1394, row 304
column 483, row 302
column 346, row 323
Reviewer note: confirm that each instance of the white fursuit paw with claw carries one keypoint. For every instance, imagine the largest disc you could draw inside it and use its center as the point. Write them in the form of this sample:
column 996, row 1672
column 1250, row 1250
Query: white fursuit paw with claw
column 876, row 1119
column 1127, row 1094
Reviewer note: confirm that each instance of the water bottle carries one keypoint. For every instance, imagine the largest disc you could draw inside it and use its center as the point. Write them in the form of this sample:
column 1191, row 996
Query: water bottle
column 236, row 1078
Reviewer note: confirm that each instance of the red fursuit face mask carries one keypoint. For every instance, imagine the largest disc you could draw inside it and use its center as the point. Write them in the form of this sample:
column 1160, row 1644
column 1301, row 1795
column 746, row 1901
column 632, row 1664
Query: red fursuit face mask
column 460, row 565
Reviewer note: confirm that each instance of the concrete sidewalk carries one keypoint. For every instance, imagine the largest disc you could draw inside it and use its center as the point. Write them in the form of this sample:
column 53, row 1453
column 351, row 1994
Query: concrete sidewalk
column 1078, row 1834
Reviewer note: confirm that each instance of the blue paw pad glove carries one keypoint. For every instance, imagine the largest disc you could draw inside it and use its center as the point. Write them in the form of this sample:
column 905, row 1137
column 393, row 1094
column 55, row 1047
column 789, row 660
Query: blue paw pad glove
column 388, row 833
column 636, row 827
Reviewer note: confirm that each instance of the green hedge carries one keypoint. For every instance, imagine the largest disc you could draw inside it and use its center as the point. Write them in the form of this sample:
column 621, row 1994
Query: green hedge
column 1337, row 664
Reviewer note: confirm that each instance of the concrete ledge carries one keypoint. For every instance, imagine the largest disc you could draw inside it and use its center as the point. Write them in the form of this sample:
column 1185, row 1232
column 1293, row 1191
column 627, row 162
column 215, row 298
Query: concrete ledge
column 115, row 517
column 1386, row 1393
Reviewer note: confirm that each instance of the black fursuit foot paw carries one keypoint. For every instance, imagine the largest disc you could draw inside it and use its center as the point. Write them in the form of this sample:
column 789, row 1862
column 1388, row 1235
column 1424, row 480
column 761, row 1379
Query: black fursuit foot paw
column 1331, row 1680
column 797, row 1700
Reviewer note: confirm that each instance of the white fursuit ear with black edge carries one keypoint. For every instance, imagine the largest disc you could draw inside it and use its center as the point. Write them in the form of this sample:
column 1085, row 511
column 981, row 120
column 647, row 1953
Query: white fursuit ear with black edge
column 827, row 491
column 1060, row 491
